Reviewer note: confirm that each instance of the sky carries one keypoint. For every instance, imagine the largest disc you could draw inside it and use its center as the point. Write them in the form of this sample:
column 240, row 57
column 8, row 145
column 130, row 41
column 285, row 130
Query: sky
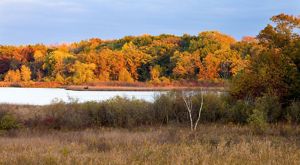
column 61, row 21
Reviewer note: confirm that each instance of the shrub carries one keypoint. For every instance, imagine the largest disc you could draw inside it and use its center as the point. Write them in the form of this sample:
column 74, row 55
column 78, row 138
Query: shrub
column 293, row 112
column 129, row 112
column 257, row 121
column 270, row 105
column 214, row 108
column 64, row 115
column 163, row 108
column 240, row 111
column 8, row 122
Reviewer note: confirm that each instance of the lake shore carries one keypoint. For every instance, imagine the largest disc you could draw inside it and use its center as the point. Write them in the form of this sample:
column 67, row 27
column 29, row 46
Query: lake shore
column 129, row 88
column 118, row 86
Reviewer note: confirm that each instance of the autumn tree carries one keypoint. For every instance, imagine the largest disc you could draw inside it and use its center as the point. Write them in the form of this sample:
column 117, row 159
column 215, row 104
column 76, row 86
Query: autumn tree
column 125, row 76
column 155, row 72
column 37, row 64
column 209, row 68
column 54, row 62
column 12, row 76
column 275, row 67
column 186, row 65
column 209, row 42
column 25, row 73
column 134, row 58
column 83, row 72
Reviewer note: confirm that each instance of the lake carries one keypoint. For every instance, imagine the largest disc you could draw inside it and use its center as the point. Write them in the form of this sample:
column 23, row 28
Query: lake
column 44, row 96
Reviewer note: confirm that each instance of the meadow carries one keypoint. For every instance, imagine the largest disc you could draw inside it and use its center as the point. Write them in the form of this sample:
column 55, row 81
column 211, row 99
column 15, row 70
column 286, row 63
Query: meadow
column 210, row 144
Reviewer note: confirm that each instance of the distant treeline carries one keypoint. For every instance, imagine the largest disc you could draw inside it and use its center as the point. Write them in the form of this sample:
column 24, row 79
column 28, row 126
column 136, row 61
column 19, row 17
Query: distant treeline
column 269, row 62
column 209, row 56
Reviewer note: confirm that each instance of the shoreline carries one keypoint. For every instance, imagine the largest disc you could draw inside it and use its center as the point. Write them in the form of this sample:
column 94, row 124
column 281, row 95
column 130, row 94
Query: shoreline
column 115, row 87
column 129, row 88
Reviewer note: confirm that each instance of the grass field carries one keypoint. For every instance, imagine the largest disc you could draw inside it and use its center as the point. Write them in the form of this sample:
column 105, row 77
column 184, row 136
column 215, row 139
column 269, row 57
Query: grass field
column 211, row 144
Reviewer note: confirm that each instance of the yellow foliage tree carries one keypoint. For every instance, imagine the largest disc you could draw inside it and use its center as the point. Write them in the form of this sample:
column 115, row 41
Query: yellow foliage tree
column 104, row 76
column 12, row 76
column 155, row 72
column 125, row 76
column 209, row 69
column 39, row 56
column 186, row 64
column 134, row 58
column 83, row 72
column 59, row 78
column 25, row 73
column 54, row 62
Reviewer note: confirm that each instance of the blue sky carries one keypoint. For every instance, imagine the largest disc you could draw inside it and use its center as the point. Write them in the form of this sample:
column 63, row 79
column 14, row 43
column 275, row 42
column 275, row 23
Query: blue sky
column 58, row 21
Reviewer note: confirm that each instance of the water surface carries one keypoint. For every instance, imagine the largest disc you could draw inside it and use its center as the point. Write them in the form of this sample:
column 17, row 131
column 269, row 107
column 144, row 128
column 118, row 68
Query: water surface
column 44, row 96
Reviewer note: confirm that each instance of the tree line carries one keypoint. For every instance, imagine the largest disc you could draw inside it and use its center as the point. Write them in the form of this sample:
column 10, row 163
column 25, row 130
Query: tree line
column 209, row 56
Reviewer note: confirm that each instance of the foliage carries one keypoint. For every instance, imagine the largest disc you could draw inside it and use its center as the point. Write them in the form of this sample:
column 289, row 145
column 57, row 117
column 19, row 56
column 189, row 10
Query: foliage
column 125, row 76
column 240, row 111
column 257, row 121
column 83, row 72
column 8, row 122
column 25, row 73
column 269, row 104
column 12, row 76
column 275, row 67
column 293, row 112
column 145, row 58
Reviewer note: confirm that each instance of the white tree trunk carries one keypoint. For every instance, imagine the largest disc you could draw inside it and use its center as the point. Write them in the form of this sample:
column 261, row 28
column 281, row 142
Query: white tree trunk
column 188, row 100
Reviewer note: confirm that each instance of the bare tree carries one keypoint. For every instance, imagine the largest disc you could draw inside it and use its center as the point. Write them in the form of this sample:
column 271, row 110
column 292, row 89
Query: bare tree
column 188, row 100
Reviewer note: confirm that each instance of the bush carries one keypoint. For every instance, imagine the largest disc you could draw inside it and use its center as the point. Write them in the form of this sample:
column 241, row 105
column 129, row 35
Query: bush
column 240, row 111
column 214, row 108
column 64, row 115
column 257, row 121
column 271, row 106
column 8, row 122
column 129, row 112
column 164, row 108
column 293, row 112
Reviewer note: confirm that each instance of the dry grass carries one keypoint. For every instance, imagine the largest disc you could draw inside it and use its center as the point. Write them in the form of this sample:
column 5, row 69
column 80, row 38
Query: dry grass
column 211, row 144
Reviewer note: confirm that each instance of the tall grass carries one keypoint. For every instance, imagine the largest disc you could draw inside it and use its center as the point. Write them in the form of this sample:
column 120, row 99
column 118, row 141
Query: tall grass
column 212, row 144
